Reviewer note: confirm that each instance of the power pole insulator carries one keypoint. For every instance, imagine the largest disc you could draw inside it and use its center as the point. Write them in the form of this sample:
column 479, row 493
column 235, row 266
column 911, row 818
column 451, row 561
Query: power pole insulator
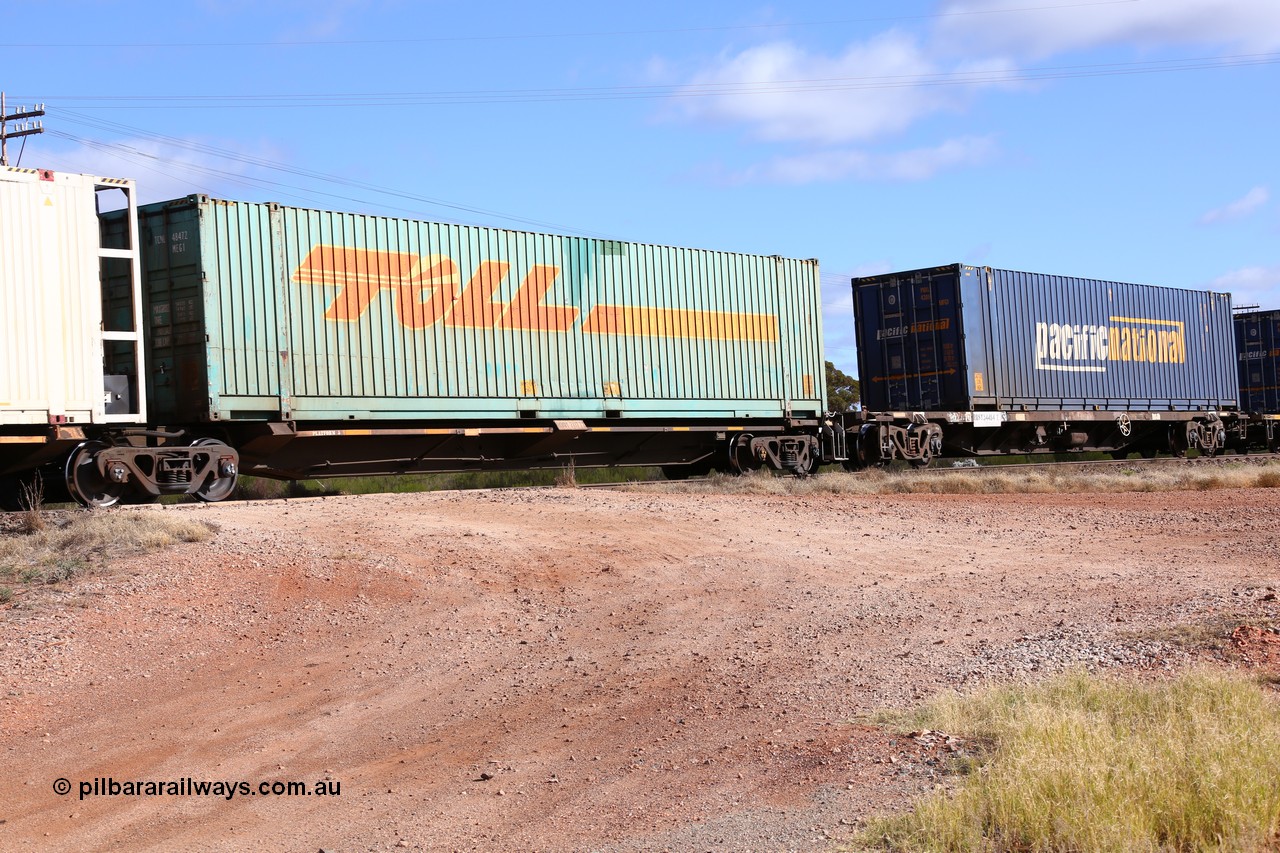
column 27, row 127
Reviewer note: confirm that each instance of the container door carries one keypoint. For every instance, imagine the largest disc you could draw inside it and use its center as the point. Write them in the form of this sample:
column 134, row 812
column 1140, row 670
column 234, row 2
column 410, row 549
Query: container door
column 1258, row 361
column 1271, row 363
column 909, row 341
column 933, row 341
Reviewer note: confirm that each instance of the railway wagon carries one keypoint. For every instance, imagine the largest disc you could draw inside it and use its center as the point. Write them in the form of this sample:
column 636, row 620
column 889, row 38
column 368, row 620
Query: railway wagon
column 1258, row 359
column 51, row 322
column 297, row 343
column 72, row 357
column 964, row 360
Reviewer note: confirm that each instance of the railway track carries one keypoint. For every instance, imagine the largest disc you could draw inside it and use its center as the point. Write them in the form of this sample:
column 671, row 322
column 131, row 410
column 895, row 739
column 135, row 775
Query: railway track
column 1104, row 464
column 938, row 468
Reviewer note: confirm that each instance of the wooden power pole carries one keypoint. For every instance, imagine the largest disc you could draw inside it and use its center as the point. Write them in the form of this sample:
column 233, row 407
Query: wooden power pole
column 26, row 128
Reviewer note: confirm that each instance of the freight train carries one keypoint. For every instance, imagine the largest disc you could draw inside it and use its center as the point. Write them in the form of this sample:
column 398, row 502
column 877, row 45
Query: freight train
column 168, row 348
column 973, row 361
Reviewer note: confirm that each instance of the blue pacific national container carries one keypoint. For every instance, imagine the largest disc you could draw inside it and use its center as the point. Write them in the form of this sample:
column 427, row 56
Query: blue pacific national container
column 964, row 338
column 265, row 312
column 1258, row 359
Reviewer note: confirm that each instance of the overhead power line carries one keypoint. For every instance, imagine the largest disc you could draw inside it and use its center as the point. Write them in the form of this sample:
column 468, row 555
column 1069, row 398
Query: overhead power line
column 564, row 35
column 689, row 90
column 166, row 166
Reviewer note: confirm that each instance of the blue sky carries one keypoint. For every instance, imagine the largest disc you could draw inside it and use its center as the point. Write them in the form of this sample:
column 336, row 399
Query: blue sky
column 1134, row 140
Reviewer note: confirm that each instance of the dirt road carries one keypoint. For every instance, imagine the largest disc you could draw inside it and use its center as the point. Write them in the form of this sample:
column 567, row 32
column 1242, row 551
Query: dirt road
column 576, row 670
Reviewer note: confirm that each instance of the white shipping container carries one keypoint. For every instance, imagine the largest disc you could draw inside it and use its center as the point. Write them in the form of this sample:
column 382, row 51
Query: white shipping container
column 51, row 302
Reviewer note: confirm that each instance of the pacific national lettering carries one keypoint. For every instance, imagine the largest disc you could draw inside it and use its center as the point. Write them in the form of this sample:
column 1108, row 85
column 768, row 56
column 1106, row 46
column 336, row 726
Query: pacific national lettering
column 1089, row 347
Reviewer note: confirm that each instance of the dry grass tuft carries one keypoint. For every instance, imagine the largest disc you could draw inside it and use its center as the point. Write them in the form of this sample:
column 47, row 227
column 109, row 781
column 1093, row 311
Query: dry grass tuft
column 32, row 501
column 71, row 544
column 1268, row 480
column 1091, row 763
column 567, row 478
column 991, row 481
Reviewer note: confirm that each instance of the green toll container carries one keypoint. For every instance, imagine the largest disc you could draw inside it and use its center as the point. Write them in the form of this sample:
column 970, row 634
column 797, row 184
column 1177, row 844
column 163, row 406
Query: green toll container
column 262, row 312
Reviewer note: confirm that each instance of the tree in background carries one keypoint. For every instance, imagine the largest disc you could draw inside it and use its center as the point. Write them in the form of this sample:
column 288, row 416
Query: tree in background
column 842, row 389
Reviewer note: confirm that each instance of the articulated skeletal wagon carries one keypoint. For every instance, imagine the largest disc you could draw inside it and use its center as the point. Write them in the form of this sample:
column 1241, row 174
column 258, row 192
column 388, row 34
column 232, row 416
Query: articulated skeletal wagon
column 167, row 348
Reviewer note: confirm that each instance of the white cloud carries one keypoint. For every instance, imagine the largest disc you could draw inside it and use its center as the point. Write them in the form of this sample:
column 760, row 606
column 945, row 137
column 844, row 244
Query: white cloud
column 1018, row 28
column 1251, row 286
column 161, row 172
column 786, row 93
column 165, row 171
column 882, row 87
column 1249, row 203
column 913, row 165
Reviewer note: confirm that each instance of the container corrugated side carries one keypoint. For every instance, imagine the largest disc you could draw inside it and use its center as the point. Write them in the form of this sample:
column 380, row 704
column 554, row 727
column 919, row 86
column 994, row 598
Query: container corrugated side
column 50, row 299
column 1019, row 340
column 319, row 315
column 1258, row 358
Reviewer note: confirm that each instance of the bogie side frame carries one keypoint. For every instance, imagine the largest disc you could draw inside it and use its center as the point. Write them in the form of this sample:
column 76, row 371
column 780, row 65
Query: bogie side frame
column 879, row 438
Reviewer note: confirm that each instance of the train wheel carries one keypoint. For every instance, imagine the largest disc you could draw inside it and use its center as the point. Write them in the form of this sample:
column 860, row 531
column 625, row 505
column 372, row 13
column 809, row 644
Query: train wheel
column 857, row 460
column 864, row 450
column 923, row 462
column 85, row 482
column 741, row 459
column 217, row 486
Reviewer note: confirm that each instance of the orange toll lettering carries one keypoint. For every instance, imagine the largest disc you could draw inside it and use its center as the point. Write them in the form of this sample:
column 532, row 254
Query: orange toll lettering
column 425, row 297
column 475, row 308
column 360, row 274
column 429, row 290
column 528, row 309
column 357, row 273
column 680, row 323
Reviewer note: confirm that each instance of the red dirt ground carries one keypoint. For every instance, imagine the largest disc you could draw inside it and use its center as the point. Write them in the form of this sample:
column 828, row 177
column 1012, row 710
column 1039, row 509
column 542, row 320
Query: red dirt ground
column 566, row 669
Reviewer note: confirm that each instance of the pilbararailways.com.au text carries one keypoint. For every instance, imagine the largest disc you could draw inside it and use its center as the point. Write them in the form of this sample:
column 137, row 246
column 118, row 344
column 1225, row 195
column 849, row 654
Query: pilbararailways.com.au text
column 106, row 786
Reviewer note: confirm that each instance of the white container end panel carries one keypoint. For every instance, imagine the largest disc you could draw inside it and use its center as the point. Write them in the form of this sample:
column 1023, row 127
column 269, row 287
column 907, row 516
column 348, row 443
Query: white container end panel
column 51, row 356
